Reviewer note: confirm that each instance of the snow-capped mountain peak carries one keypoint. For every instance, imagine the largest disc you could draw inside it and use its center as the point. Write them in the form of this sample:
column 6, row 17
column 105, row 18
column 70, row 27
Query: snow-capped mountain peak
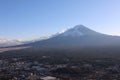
column 79, row 30
column 79, row 27
column 73, row 32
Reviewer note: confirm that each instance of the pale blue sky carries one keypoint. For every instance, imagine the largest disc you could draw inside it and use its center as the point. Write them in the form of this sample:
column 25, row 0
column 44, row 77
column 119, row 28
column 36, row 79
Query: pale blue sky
column 29, row 19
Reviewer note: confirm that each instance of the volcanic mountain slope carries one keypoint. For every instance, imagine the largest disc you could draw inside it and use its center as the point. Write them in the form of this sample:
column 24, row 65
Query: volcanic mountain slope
column 76, row 37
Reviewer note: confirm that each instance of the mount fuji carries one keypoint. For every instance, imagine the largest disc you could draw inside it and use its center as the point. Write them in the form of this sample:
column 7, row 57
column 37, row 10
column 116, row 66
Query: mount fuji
column 78, row 39
column 79, row 30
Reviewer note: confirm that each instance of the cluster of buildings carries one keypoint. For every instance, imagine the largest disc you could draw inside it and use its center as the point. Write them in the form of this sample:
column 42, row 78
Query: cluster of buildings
column 19, row 69
column 15, row 69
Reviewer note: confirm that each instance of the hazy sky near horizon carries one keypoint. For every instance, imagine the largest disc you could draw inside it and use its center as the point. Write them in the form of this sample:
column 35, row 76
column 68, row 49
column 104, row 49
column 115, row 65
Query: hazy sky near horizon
column 29, row 19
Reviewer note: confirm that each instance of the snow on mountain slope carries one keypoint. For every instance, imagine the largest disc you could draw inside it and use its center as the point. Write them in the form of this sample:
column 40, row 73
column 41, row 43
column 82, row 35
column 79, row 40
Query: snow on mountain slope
column 79, row 30
column 73, row 32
